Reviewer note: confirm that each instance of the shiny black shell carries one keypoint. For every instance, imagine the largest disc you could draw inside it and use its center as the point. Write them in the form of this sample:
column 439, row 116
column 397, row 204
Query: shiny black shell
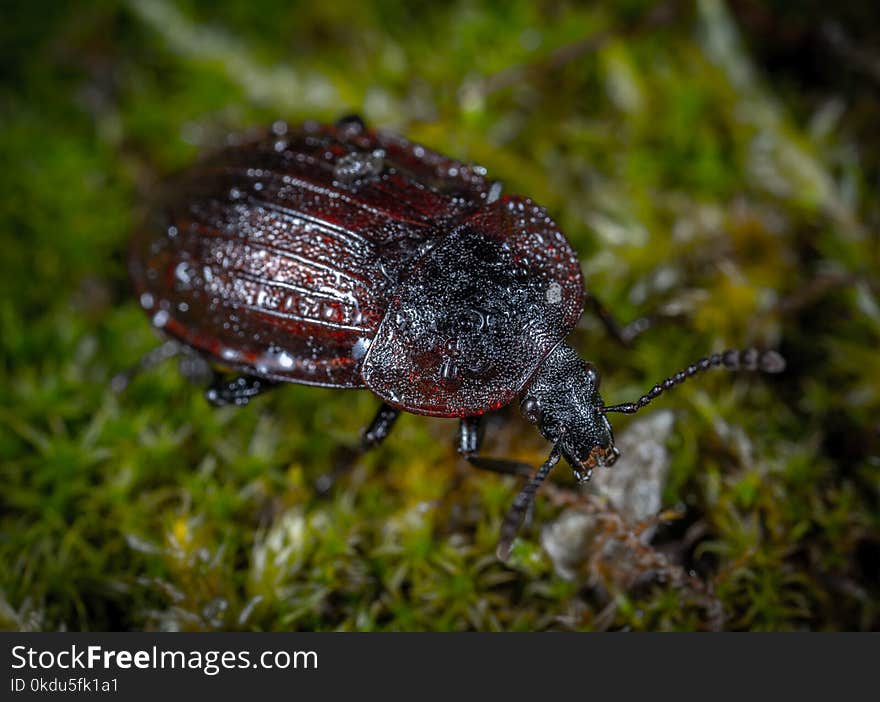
column 347, row 257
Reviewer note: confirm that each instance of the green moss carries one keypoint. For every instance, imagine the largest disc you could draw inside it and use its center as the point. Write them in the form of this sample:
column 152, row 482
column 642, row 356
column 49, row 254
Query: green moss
column 691, row 182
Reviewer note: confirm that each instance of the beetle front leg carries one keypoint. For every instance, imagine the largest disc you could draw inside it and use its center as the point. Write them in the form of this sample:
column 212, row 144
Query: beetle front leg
column 238, row 391
column 523, row 508
column 380, row 427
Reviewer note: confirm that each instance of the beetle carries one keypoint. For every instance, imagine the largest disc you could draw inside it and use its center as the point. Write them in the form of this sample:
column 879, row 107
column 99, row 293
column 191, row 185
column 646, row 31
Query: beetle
column 345, row 257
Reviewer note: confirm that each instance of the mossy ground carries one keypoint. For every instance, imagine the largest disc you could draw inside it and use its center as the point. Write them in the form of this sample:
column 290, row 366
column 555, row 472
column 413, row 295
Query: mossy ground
column 740, row 201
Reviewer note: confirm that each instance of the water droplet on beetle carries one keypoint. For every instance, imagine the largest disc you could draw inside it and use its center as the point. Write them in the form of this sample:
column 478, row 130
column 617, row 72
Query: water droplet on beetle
column 472, row 321
column 182, row 273
column 146, row 300
column 285, row 360
column 454, row 345
column 360, row 348
column 449, row 373
column 160, row 319
column 359, row 165
column 228, row 354
column 554, row 293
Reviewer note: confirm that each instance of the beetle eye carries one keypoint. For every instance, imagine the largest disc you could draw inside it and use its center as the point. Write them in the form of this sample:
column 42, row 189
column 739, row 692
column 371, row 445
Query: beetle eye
column 531, row 409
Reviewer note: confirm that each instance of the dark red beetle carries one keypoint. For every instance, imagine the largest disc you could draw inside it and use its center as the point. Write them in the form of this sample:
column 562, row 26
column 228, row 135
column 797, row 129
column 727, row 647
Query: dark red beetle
column 345, row 257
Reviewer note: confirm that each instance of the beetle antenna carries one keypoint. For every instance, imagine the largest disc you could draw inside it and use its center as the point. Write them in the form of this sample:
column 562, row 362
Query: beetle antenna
column 745, row 359
column 514, row 517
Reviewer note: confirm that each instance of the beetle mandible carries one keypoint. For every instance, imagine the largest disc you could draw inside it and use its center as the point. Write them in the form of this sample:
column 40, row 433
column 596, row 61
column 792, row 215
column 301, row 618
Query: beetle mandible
column 340, row 256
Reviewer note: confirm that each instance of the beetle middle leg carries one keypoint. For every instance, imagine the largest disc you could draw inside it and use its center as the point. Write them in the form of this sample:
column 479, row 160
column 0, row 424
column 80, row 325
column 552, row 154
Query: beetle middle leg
column 523, row 508
column 470, row 435
column 380, row 427
column 238, row 391
column 624, row 334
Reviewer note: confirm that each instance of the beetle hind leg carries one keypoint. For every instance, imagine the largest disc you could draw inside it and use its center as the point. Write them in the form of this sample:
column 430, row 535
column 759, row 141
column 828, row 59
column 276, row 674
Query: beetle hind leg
column 193, row 366
column 346, row 456
column 239, row 391
column 151, row 359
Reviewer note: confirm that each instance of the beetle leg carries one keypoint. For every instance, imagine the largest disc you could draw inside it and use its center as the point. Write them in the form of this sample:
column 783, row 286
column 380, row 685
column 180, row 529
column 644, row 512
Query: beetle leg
column 470, row 435
column 195, row 367
column 624, row 334
column 501, row 465
column 521, row 509
column 380, row 427
column 353, row 121
column 237, row 391
column 151, row 359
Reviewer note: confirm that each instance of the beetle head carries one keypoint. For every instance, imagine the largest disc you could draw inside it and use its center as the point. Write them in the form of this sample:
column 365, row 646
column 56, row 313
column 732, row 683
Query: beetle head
column 563, row 400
